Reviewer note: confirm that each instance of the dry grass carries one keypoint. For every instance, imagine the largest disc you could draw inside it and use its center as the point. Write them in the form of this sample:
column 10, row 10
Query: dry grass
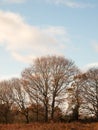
column 51, row 126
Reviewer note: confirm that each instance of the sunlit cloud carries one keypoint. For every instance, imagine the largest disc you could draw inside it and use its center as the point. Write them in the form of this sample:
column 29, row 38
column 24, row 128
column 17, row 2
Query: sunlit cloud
column 21, row 58
column 24, row 41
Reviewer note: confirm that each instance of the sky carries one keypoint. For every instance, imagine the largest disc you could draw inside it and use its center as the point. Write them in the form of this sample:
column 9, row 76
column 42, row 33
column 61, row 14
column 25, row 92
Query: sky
column 34, row 28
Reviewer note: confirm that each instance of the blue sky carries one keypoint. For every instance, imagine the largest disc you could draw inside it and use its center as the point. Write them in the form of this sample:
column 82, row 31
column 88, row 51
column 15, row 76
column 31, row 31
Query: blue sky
column 33, row 28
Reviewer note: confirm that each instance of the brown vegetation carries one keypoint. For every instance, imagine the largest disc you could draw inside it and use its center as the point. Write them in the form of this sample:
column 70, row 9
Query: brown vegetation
column 51, row 126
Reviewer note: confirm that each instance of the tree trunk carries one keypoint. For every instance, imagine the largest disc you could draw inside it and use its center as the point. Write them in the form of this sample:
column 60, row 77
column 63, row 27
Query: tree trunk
column 37, row 114
column 52, row 111
column 6, row 119
column 46, row 113
column 27, row 119
column 76, row 113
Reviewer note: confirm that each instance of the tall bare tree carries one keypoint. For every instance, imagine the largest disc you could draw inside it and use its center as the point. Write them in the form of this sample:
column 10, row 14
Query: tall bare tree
column 20, row 98
column 34, row 95
column 38, row 77
column 62, row 76
column 49, row 76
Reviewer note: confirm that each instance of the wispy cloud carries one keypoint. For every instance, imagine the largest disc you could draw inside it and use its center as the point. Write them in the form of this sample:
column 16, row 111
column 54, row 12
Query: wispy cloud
column 26, row 41
column 95, row 46
column 13, row 1
column 72, row 4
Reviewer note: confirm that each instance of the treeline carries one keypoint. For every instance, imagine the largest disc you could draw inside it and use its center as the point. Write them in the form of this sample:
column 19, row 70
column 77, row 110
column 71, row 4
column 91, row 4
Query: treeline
column 52, row 88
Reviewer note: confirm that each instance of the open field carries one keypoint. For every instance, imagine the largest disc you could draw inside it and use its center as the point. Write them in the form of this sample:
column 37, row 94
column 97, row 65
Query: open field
column 50, row 126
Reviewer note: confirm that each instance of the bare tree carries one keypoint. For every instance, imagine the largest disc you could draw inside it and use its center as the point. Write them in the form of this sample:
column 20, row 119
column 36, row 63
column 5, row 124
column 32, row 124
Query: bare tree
column 74, row 97
column 83, row 95
column 34, row 95
column 6, row 100
column 90, row 91
column 62, row 76
column 38, row 79
column 49, row 76
column 20, row 98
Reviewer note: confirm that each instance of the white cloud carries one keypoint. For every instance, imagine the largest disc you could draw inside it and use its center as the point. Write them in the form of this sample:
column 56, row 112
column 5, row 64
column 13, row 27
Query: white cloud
column 88, row 66
column 14, row 1
column 95, row 45
column 72, row 3
column 57, row 31
column 24, row 41
column 25, row 59
column 8, row 77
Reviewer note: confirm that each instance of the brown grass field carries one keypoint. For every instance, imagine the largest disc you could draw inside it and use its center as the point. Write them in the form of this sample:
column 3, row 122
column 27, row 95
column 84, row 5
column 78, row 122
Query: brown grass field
column 50, row 126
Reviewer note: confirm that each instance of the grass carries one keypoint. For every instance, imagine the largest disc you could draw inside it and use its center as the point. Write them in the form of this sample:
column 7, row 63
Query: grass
column 50, row 126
